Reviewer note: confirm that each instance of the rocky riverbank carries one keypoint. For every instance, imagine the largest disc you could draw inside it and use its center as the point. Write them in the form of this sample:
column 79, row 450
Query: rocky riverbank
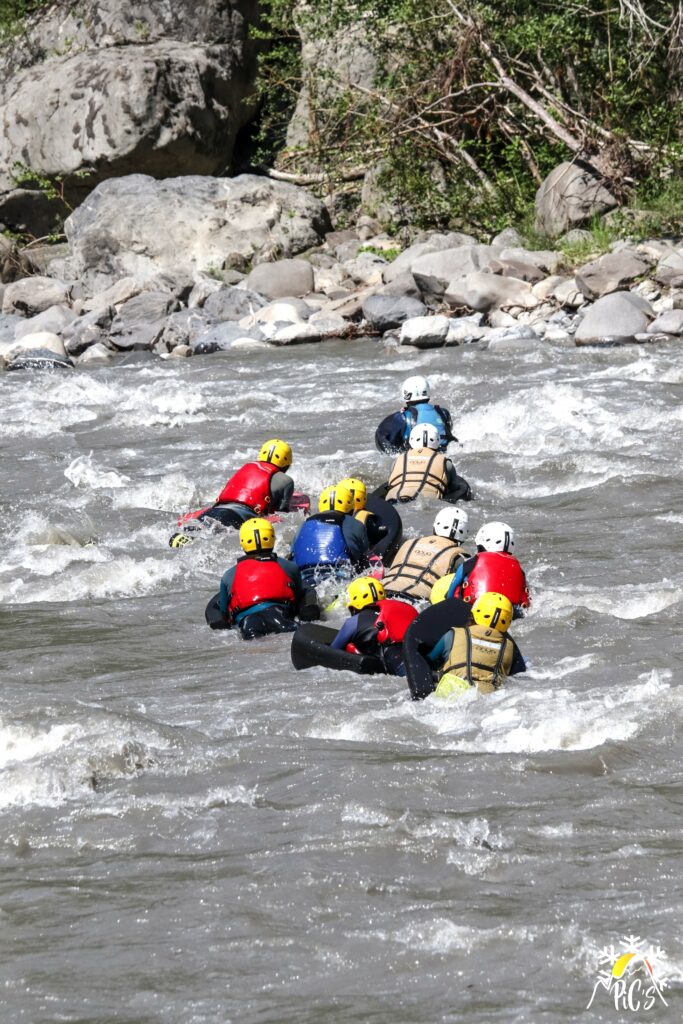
column 200, row 265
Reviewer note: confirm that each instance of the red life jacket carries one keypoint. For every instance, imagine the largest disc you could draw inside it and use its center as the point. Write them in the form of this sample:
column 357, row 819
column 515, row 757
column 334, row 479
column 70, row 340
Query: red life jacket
column 500, row 572
column 251, row 486
column 393, row 619
column 259, row 580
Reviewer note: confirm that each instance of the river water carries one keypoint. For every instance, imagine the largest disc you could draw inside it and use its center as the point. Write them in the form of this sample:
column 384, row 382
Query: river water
column 192, row 832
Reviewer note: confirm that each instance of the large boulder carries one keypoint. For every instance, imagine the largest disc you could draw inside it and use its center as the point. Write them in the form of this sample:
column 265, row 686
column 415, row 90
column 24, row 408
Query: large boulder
column 282, row 279
column 425, row 331
column 33, row 295
column 436, row 242
column 670, row 270
column 88, row 330
column 614, row 319
column 610, row 273
column 569, row 196
column 138, row 226
column 441, row 267
column 668, row 322
column 111, row 86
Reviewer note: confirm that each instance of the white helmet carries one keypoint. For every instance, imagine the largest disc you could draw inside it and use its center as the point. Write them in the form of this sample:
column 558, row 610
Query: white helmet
column 452, row 523
column 415, row 389
column 425, row 435
column 495, row 537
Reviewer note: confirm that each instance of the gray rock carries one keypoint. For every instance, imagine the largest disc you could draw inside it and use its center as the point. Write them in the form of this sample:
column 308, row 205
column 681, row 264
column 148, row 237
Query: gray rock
column 38, row 359
column 233, row 303
column 33, row 295
column 183, row 328
column 544, row 259
column 97, row 353
column 181, row 352
column 610, row 273
column 614, row 319
column 115, row 295
column 385, row 312
column 291, row 311
column 670, row 322
column 222, row 337
column 568, row 294
column 202, row 288
column 320, row 327
column 444, row 266
column 512, row 339
column 366, row 268
column 88, row 330
column 205, row 222
column 431, row 243
column 569, row 196
column 188, row 71
column 404, row 285
column 140, row 322
column 483, row 292
column 44, row 340
column 282, row 279
column 464, row 330
column 425, row 331
column 515, row 268
column 669, row 270
column 53, row 319
column 508, row 237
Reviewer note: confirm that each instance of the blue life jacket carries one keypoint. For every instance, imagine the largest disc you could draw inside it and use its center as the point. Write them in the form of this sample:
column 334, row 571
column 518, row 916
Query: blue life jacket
column 321, row 541
column 425, row 412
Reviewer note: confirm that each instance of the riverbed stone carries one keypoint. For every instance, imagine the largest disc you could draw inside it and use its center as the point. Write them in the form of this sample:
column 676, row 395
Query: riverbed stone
column 33, row 295
column 669, row 322
column 547, row 260
column 610, row 273
column 182, row 328
column 97, row 353
column 232, row 303
column 366, row 269
column 425, row 331
column 8, row 325
column 54, row 319
column 87, row 330
column 385, row 312
column 463, row 330
column 669, row 270
column 512, row 339
column 614, row 319
column 516, row 268
column 141, row 320
column 448, row 264
column 482, row 292
column 282, row 279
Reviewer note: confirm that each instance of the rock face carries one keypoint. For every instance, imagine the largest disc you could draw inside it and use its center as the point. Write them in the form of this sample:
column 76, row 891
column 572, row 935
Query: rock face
column 113, row 86
column 614, row 319
column 569, row 196
column 139, row 226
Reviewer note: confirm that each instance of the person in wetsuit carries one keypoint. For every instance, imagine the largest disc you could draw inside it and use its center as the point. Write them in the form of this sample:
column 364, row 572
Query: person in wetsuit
column 377, row 624
column 262, row 593
column 393, row 433
column 493, row 568
column 332, row 542
column 480, row 654
column 424, row 470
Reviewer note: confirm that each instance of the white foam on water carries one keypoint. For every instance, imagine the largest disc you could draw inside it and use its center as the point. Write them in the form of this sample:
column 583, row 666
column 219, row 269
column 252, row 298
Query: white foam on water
column 22, row 743
column 444, row 936
column 361, row 815
column 638, row 601
column 175, row 404
column 82, row 472
column 117, row 577
column 172, row 492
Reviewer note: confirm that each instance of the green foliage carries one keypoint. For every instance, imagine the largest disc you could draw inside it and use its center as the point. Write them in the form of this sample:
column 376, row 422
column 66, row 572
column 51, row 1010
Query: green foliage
column 457, row 146
column 388, row 254
column 12, row 14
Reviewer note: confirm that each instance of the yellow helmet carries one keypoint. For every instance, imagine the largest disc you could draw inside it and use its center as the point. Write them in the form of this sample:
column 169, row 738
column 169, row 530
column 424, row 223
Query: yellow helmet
column 277, row 452
column 440, row 588
column 257, row 535
column 365, row 592
column 493, row 610
column 358, row 490
column 336, row 499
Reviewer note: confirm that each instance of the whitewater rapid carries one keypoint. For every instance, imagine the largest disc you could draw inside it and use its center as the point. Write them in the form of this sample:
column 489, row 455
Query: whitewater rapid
column 192, row 831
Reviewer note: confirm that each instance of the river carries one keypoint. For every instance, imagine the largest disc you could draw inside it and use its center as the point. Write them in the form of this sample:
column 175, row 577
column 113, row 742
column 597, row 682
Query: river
column 191, row 832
